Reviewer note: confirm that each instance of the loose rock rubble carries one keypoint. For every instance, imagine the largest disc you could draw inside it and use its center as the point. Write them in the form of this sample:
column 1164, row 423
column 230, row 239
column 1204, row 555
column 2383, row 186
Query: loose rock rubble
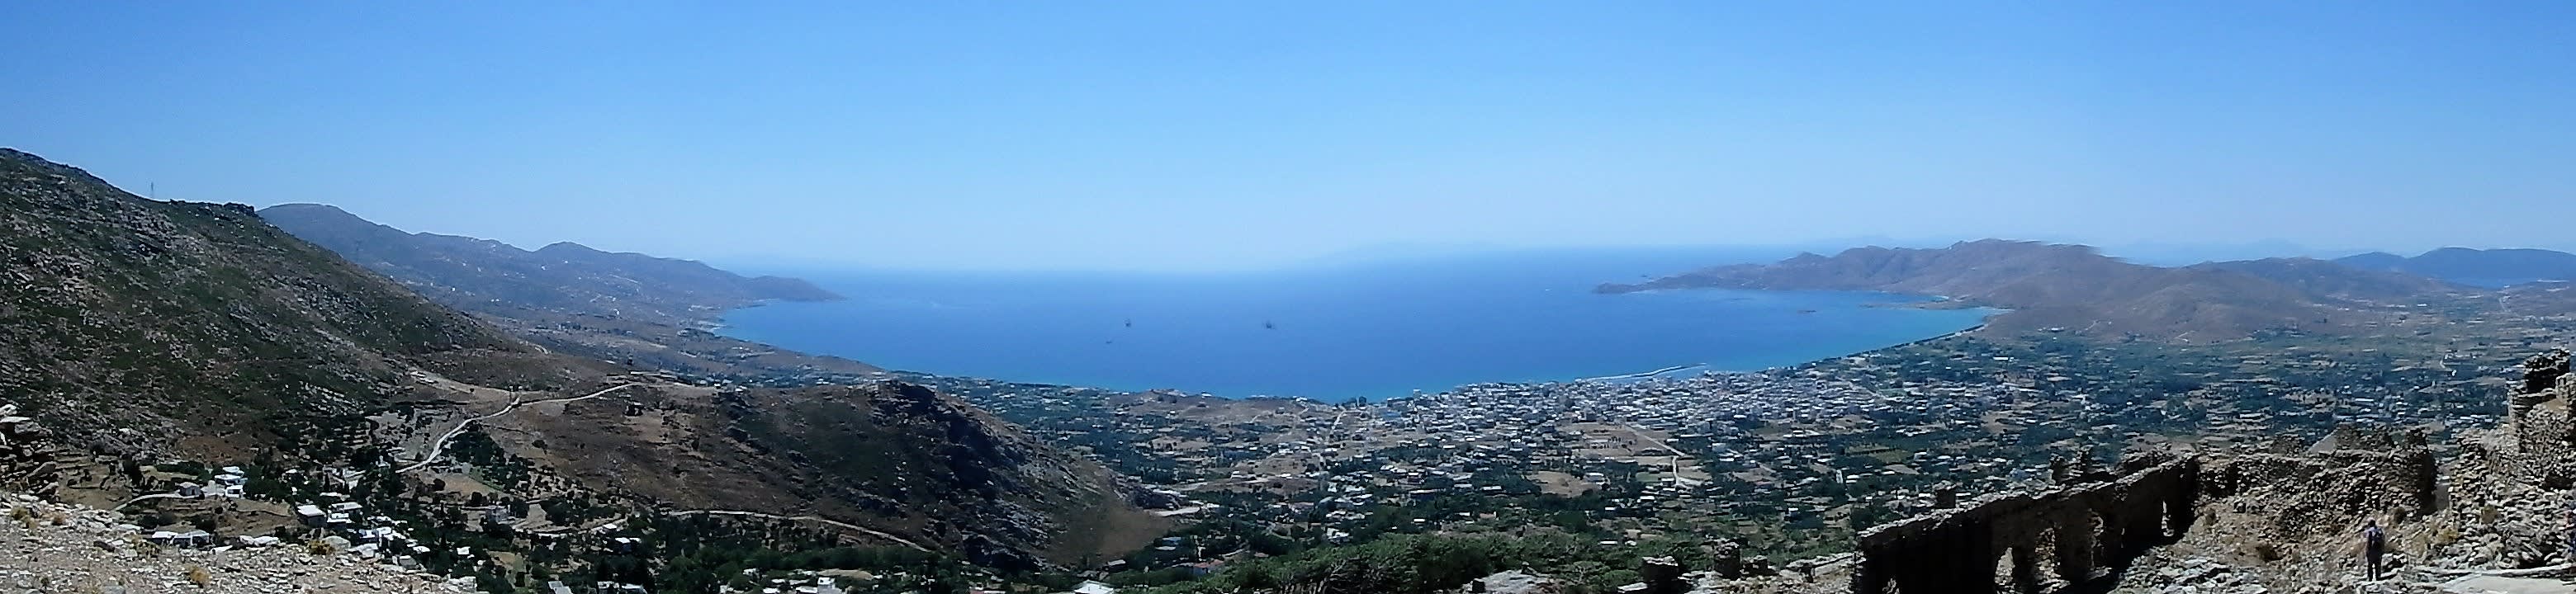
column 2190, row 575
column 47, row 547
column 1514, row 582
column 2202, row 575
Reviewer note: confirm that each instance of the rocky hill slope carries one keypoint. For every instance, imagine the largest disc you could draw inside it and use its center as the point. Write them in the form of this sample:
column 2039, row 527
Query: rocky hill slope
column 2077, row 289
column 199, row 332
column 49, row 547
column 135, row 324
column 617, row 306
column 921, row 466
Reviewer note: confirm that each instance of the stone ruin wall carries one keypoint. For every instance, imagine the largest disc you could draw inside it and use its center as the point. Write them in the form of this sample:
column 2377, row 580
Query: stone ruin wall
column 2367, row 472
column 2056, row 540
column 29, row 458
column 2052, row 539
column 2540, row 435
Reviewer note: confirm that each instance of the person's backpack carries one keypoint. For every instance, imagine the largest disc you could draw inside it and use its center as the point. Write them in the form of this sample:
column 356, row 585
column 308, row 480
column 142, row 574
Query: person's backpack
column 2373, row 535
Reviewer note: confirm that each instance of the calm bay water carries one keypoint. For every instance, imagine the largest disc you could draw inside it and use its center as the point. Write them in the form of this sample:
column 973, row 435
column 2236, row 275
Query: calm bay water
column 1334, row 332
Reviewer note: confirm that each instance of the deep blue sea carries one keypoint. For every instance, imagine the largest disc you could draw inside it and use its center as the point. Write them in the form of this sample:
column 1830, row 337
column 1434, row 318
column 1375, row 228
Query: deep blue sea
column 1333, row 332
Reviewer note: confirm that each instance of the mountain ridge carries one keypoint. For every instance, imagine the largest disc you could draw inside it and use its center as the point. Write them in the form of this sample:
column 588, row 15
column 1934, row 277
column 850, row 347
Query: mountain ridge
column 121, row 310
column 2075, row 288
column 2490, row 267
column 423, row 258
column 2327, row 279
column 620, row 306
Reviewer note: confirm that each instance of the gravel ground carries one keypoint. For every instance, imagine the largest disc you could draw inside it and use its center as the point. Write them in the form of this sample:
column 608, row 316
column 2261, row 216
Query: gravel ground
column 51, row 548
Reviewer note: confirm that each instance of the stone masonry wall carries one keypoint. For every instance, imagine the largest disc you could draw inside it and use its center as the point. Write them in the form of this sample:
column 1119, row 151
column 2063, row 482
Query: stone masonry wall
column 28, row 455
column 2053, row 539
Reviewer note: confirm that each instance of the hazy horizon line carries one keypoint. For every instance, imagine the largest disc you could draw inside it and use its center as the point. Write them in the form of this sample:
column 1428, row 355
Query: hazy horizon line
column 2155, row 253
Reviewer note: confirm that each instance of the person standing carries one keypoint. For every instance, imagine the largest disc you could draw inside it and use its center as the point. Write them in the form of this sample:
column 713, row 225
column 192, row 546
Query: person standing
column 2571, row 536
column 2373, row 545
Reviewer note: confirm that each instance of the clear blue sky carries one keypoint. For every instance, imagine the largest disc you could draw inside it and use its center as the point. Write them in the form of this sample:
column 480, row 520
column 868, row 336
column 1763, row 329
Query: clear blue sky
column 1235, row 134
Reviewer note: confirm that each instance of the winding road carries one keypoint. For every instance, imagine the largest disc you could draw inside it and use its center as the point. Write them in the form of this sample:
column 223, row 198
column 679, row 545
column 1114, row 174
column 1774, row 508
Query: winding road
column 131, row 502
column 440, row 446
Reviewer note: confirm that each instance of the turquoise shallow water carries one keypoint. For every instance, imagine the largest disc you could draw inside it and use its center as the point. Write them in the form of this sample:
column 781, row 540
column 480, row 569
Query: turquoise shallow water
column 1333, row 332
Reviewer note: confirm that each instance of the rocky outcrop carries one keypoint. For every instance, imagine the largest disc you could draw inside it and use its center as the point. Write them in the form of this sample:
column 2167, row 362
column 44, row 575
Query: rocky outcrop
column 1514, row 582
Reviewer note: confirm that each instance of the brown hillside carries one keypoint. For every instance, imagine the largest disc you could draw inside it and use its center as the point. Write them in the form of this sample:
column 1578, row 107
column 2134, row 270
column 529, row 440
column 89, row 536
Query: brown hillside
column 177, row 319
column 895, row 457
column 200, row 331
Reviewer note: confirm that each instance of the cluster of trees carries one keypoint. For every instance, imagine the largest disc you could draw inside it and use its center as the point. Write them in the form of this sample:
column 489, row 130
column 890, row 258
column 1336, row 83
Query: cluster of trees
column 1427, row 564
column 700, row 555
column 495, row 466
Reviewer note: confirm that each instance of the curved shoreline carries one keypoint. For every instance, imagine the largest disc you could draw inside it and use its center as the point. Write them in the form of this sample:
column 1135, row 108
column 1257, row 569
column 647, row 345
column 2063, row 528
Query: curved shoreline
column 1659, row 372
column 1804, row 352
